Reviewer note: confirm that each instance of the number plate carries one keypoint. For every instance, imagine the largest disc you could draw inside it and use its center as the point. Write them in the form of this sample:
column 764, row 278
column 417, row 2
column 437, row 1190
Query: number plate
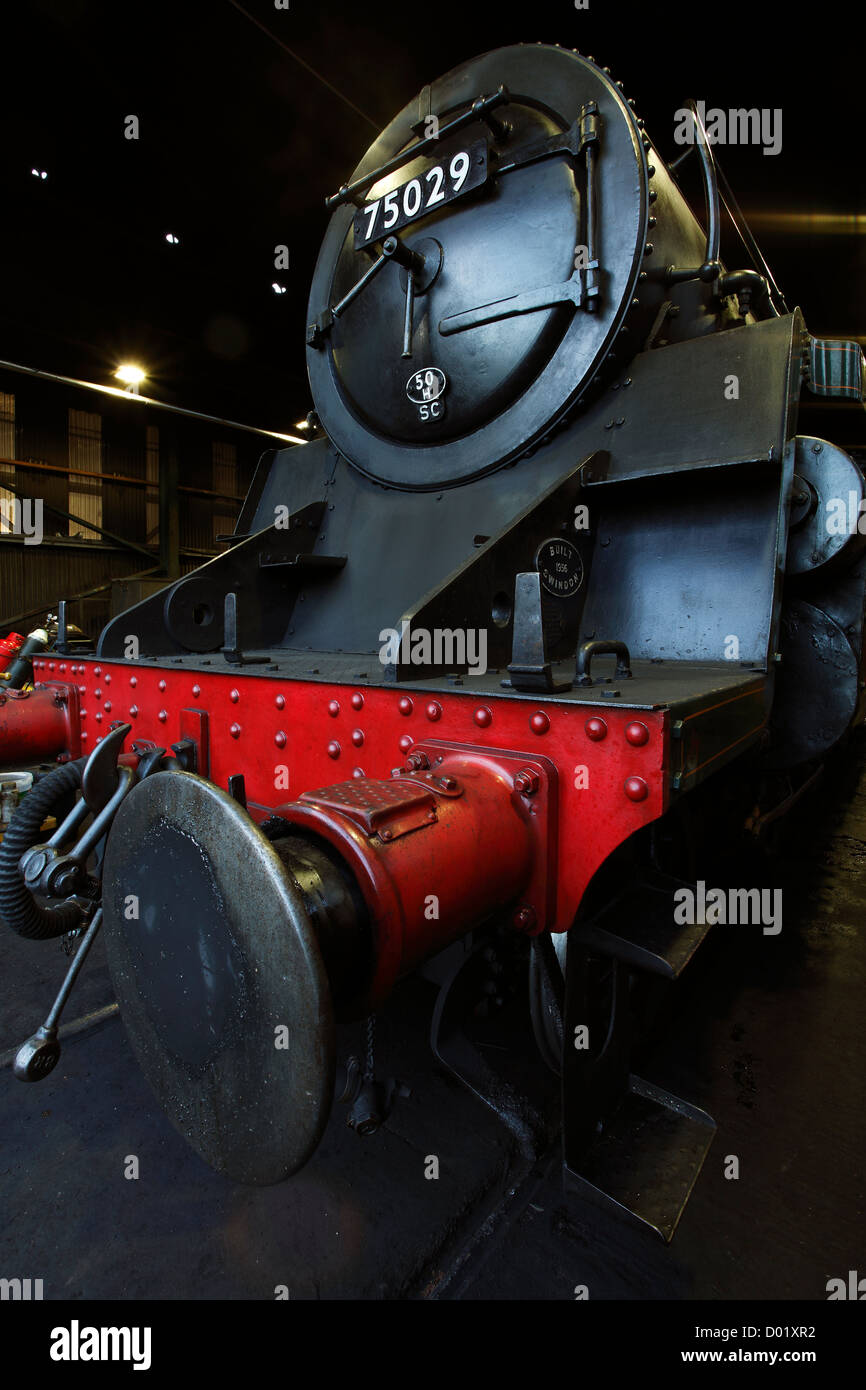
column 454, row 175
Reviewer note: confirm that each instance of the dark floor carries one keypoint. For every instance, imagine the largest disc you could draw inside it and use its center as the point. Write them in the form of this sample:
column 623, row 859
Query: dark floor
column 765, row 1032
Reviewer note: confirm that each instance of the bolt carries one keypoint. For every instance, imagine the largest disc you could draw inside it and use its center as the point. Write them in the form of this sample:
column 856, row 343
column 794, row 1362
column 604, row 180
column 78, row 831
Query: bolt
column 448, row 784
column 527, row 782
column 66, row 881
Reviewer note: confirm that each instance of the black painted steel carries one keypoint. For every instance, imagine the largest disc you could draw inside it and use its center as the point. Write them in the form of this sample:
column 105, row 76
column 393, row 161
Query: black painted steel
column 214, row 949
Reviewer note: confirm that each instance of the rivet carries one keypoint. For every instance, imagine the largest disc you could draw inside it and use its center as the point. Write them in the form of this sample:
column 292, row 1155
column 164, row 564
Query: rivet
column 648, row 249
column 83, row 735
column 97, row 670
column 539, row 722
column 358, row 737
column 82, row 690
column 483, row 717
column 107, row 677
column 406, row 743
column 133, row 711
column 333, row 750
column 162, row 716
column 405, row 706
column 161, row 685
column 108, row 707
column 234, row 696
column 653, row 195
column 97, row 694
column 334, row 708
column 357, row 700
column 235, row 730
column 63, row 665
column 651, row 168
column 637, row 734
column 280, row 739
column 358, row 772
column 196, row 691
column 652, row 221
column 596, row 729
column 133, row 681
column 50, row 665
column 434, row 710
column 636, row 789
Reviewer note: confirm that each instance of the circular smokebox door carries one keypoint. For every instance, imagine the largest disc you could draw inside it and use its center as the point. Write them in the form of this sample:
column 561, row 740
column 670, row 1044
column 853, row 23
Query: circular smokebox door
column 498, row 223
column 214, row 962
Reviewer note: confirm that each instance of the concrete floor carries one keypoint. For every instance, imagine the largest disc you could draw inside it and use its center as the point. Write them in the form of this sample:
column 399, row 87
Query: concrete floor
column 765, row 1032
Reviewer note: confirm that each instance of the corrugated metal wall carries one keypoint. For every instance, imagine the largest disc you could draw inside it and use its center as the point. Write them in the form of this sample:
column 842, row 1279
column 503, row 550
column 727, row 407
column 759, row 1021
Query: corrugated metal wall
column 98, row 457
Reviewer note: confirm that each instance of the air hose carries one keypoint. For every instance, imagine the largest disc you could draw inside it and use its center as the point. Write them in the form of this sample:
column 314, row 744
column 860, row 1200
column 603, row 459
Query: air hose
column 18, row 908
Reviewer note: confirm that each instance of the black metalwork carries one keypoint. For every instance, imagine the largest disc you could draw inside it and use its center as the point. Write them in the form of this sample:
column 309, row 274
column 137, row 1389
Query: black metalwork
column 566, row 485
column 39, row 1055
column 481, row 109
column 596, row 647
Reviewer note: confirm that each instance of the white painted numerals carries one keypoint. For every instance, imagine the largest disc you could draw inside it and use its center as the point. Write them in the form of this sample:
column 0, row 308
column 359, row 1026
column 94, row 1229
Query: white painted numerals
column 415, row 198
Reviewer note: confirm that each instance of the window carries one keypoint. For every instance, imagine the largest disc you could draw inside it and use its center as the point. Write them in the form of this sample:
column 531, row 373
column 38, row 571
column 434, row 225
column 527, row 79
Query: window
column 7, row 446
column 85, row 454
column 152, row 490
column 225, row 483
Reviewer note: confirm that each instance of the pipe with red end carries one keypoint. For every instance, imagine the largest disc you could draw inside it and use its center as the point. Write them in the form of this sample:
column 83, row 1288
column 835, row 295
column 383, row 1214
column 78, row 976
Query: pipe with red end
column 39, row 724
column 435, row 851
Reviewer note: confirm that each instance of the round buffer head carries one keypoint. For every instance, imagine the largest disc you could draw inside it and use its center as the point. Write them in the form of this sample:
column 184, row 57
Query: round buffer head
column 219, row 977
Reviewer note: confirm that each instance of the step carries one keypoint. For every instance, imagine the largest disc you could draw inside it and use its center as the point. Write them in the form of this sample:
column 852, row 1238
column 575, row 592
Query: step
column 638, row 928
column 646, row 1161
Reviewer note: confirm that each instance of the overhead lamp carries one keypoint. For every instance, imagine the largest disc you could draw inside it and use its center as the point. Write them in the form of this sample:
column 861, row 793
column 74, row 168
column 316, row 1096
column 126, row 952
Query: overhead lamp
column 131, row 376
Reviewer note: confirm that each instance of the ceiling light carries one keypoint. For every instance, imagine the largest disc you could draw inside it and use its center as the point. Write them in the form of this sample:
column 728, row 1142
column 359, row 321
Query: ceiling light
column 131, row 376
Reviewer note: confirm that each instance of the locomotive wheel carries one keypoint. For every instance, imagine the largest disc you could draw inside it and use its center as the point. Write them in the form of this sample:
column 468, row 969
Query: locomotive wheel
column 219, row 976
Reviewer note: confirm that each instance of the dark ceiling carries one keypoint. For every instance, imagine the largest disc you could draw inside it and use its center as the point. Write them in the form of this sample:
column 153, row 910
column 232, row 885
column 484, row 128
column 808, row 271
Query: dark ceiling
column 240, row 143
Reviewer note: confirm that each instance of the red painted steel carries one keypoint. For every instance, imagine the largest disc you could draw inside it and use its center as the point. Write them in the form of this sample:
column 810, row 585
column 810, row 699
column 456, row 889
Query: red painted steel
column 39, row 724
column 289, row 737
column 433, row 852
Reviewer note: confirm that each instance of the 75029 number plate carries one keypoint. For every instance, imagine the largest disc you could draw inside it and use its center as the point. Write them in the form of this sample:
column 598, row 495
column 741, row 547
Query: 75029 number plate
column 454, row 175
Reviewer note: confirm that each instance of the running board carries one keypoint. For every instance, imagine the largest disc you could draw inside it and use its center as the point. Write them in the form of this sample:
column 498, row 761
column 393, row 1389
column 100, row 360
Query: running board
column 645, row 1162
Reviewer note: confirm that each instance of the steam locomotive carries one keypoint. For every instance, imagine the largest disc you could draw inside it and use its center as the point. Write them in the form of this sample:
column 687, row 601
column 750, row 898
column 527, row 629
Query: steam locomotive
column 553, row 573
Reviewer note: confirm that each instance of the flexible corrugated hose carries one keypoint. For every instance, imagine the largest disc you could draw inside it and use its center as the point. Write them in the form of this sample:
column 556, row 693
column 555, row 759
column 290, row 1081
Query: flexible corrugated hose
column 18, row 908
